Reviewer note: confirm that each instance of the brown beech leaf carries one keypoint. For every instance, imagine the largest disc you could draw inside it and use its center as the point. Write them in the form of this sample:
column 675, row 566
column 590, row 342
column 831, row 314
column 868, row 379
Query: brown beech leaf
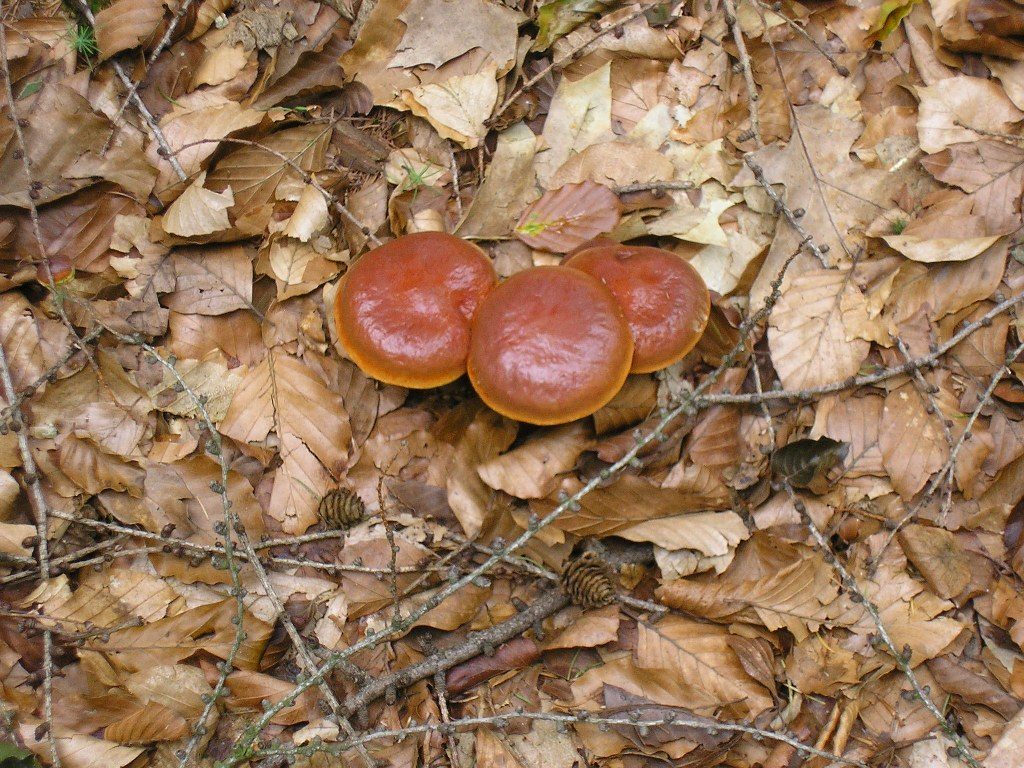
column 32, row 341
column 153, row 722
column 621, row 705
column 94, row 470
column 125, row 24
column 170, row 640
column 366, row 593
column 299, row 484
column 250, row 689
column 789, row 587
column 911, row 439
column 938, row 558
column 712, row 534
column 974, row 685
column 632, row 404
column 454, row 611
column 80, row 229
column 508, row 186
column 702, row 655
column 468, row 495
column 254, row 172
column 211, row 281
column 854, row 421
column 627, row 502
column 529, row 471
column 236, row 334
column 567, row 217
column 315, row 72
column 283, row 394
column 514, row 654
column 178, row 687
column 64, row 127
column 814, row 329
column 491, row 750
column 586, row 630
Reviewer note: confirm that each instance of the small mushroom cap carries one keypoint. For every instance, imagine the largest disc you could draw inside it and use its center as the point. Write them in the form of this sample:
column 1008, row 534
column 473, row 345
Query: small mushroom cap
column 550, row 345
column 404, row 310
column 663, row 298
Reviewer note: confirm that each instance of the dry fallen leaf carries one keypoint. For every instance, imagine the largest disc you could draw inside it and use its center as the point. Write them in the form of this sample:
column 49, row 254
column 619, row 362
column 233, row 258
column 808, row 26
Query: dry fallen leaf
column 568, row 217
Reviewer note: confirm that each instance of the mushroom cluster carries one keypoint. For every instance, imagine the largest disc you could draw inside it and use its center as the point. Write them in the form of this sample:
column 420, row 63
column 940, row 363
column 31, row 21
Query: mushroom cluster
column 546, row 346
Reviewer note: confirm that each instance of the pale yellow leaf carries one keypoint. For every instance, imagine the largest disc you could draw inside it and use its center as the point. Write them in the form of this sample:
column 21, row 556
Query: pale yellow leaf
column 459, row 107
column 198, row 211
column 220, row 65
column 580, row 115
column 310, row 216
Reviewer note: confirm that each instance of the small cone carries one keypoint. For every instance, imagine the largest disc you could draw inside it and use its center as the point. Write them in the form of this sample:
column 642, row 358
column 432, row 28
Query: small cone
column 340, row 509
column 588, row 581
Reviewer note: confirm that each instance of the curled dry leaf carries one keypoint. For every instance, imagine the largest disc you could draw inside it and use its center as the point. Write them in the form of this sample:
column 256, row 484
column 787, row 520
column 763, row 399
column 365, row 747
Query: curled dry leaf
column 514, row 654
column 568, row 217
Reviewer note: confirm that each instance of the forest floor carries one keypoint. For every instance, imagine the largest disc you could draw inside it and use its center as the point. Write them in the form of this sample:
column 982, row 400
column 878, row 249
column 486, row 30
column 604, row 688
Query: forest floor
column 810, row 528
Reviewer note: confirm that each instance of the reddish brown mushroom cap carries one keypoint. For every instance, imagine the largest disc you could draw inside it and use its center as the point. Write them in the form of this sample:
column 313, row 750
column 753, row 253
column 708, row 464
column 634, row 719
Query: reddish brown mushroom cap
column 403, row 311
column 549, row 345
column 664, row 299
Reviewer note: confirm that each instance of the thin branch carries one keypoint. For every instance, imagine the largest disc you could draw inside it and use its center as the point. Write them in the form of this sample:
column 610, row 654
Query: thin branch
column 792, row 216
column 603, row 28
column 902, row 657
column 744, row 67
column 41, row 513
column 136, row 100
column 924, row 361
column 563, row 719
column 550, row 602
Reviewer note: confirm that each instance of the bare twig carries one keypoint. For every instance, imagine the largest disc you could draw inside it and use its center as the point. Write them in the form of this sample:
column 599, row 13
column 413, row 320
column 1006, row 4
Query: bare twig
column 603, row 28
column 924, row 361
column 744, row 67
column 902, row 657
column 564, row 719
column 136, row 100
column 791, row 216
column 307, row 178
column 41, row 513
column 473, row 646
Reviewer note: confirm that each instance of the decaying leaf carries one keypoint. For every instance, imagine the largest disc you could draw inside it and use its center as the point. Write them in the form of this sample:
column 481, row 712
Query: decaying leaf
column 806, row 463
column 569, row 216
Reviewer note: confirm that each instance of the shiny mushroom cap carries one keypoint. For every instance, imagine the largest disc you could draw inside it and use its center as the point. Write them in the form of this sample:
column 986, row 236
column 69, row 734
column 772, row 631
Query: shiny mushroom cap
column 663, row 298
column 404, row 310
column 550, row 345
